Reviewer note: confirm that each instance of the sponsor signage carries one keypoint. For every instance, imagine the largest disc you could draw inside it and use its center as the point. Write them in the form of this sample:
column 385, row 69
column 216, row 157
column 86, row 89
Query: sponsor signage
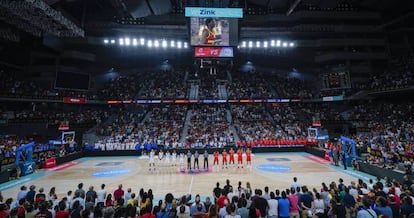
column 333, row 98
column 63, row 126
column 317, row 123
column 27, row 168
column 50, row 163
column 74, row 100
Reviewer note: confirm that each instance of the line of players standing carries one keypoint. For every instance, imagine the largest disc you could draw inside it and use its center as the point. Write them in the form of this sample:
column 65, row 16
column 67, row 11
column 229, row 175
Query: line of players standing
column 169, row 160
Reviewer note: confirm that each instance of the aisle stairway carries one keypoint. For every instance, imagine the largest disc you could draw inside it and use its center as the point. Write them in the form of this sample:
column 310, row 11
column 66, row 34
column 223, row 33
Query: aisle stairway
column 222, row 92
column 194, row 91
column 233, row 129
column 187, row 124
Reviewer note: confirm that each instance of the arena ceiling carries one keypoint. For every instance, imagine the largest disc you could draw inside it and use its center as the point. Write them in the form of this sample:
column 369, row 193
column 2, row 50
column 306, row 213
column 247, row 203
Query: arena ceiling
column 99, row 17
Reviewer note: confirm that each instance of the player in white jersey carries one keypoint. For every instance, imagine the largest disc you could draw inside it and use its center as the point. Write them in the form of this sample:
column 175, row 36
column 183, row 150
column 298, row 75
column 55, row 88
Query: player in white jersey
column 182, row 161
column 160, row 155
column 152, row 159
column 168, row 158
column 174, row 158
column 160, row 158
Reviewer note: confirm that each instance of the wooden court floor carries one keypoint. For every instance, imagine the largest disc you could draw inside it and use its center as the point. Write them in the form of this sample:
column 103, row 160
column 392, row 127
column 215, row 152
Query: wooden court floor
column 275, row 170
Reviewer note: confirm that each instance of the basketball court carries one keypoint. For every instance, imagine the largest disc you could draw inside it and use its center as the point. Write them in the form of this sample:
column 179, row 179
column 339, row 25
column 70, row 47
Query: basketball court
column 275, row 170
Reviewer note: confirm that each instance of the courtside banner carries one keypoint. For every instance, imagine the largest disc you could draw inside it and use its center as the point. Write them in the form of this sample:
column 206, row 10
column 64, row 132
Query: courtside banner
column 214, row 12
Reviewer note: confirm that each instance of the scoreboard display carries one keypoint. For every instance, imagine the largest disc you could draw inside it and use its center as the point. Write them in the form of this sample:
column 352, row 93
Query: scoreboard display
column 336, row 80
column 213, row 31
column 213, row 27
column 213, row 52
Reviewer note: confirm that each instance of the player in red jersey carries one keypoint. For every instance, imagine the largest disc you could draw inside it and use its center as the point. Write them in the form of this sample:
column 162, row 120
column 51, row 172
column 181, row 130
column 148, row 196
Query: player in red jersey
column 231, row 152
column 240, row 158
column 216, row 158
column 249, row 157
column 224, row 157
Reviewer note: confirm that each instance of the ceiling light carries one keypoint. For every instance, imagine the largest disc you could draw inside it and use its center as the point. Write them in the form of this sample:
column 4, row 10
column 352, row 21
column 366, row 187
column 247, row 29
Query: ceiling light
column 127, row 41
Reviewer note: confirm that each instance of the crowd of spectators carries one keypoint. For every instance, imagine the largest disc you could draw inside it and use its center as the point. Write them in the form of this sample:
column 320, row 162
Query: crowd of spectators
column 124, row 87
column 249, row 87
column 74, row 116
column 160, row 125
column 169, row 85
column 212, row 125
column 398, row 75
column 208, row 84
column 54, row 115
column 380, row 198
column 290, row 120
column 12, row 86
column 172, row 85
column 209, row 127
column 9, row 144
column 318, row 111
column 123, row 125
column 208, row 90
column 164, row 126
column 389, row 129
column 291, row 88
column 253, row 123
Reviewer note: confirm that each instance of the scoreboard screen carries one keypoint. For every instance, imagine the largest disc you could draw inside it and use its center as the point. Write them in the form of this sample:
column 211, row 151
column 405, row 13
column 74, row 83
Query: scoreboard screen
column 214, row 31
column 213, row 52
column 214, row 26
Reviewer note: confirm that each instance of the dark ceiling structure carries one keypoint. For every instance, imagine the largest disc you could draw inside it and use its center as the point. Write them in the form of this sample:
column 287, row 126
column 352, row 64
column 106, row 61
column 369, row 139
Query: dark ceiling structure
column 327, row 32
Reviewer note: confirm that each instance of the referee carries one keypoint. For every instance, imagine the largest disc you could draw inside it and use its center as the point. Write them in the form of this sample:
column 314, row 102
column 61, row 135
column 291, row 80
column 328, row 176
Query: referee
column 196, row 155
column 205, row 155
column 189, row 160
